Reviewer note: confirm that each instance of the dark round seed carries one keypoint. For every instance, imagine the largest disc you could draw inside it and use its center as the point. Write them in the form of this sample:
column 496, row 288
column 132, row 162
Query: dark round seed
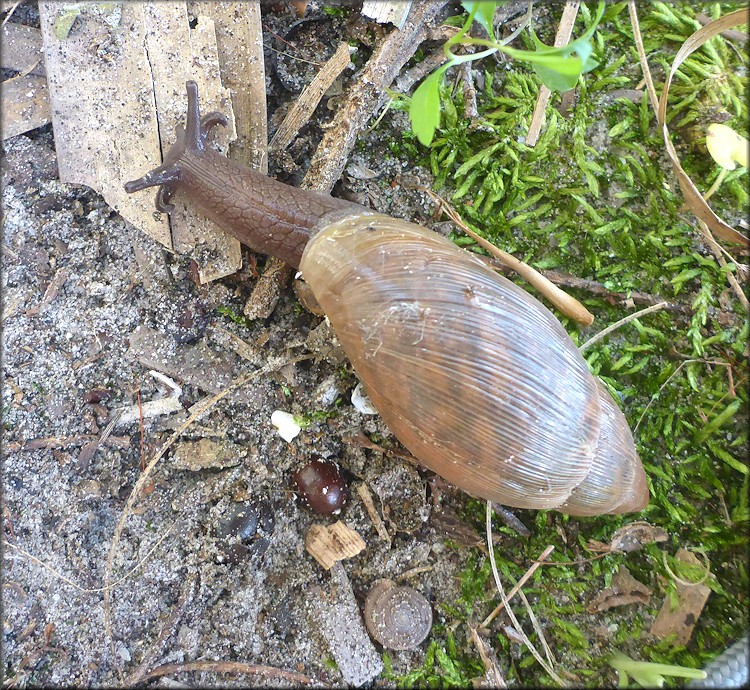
column 321, row 486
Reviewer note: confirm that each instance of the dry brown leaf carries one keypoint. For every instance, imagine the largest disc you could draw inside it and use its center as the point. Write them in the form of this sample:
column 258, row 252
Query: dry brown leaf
column 691, row 599
column 25, row 104
column 694, row 199
column 330, row 543
column 22, row 49
column 624, row 590
column 635, row 535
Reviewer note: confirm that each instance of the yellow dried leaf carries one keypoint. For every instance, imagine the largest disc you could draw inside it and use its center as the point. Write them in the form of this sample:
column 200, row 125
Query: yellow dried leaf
column 726, row 147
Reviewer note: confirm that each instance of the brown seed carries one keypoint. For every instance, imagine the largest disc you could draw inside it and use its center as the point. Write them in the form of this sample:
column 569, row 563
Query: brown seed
column 321, row 486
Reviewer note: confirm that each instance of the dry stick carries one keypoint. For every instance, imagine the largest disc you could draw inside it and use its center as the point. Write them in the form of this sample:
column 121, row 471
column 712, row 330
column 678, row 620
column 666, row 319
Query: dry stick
column 566, row 303
column 137, row 489
column 231, row 667
column 368, row 93
column 605, row 332
column 305, row 105
column 564, row 32
column 511, row 615
column 596, row 288
column 542, row 557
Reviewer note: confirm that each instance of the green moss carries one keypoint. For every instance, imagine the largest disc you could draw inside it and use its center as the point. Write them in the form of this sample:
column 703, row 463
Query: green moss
column 596, row 198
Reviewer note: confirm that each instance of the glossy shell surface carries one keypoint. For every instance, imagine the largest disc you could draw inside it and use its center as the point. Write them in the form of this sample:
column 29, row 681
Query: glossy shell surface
column 397, row 617
column 473, row 375
column 322, row 486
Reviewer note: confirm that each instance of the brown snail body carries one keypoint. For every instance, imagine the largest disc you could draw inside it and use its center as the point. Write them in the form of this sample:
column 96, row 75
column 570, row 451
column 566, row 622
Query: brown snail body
column 473, row 375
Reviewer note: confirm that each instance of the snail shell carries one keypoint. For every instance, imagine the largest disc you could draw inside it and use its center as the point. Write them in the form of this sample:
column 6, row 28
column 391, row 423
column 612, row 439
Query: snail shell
column 397, row 617
column 424, row 322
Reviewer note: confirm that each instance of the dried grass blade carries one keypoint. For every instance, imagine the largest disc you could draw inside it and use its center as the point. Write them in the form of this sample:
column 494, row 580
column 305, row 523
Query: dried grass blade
column 695, row 201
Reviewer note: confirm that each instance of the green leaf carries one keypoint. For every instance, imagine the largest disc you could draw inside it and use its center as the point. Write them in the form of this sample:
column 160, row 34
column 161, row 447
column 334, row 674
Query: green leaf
column 563, row 76
column 484, row 13
column 424, row 111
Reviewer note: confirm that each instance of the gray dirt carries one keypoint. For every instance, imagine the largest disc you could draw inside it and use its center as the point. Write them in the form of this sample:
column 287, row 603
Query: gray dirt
column 90, row 305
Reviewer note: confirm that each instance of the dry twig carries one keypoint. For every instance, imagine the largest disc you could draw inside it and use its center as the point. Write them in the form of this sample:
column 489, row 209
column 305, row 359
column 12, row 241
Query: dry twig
column 566, row 303
column 368, row 94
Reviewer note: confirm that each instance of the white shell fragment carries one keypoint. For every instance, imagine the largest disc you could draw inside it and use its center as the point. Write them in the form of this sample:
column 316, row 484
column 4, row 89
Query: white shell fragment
column 286, row 425
column 361, row 402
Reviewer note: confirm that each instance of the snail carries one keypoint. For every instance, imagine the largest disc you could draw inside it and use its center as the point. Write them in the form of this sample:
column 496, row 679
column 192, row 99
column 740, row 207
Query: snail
column 398, row 617
column 321, row 486
column 477, row 379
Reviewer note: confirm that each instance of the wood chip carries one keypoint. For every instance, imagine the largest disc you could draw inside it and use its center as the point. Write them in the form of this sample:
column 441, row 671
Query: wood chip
column 624, row 590
column 328, row 544
column 691, row 598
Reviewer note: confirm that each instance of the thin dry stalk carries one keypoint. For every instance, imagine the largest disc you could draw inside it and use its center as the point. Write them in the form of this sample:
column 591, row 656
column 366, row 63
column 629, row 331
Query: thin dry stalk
column 566, row 303
column 10, row 12
column 537, row 628
column 630, row 317
column 490, row 547
column 564, row 32
column 542, row 557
